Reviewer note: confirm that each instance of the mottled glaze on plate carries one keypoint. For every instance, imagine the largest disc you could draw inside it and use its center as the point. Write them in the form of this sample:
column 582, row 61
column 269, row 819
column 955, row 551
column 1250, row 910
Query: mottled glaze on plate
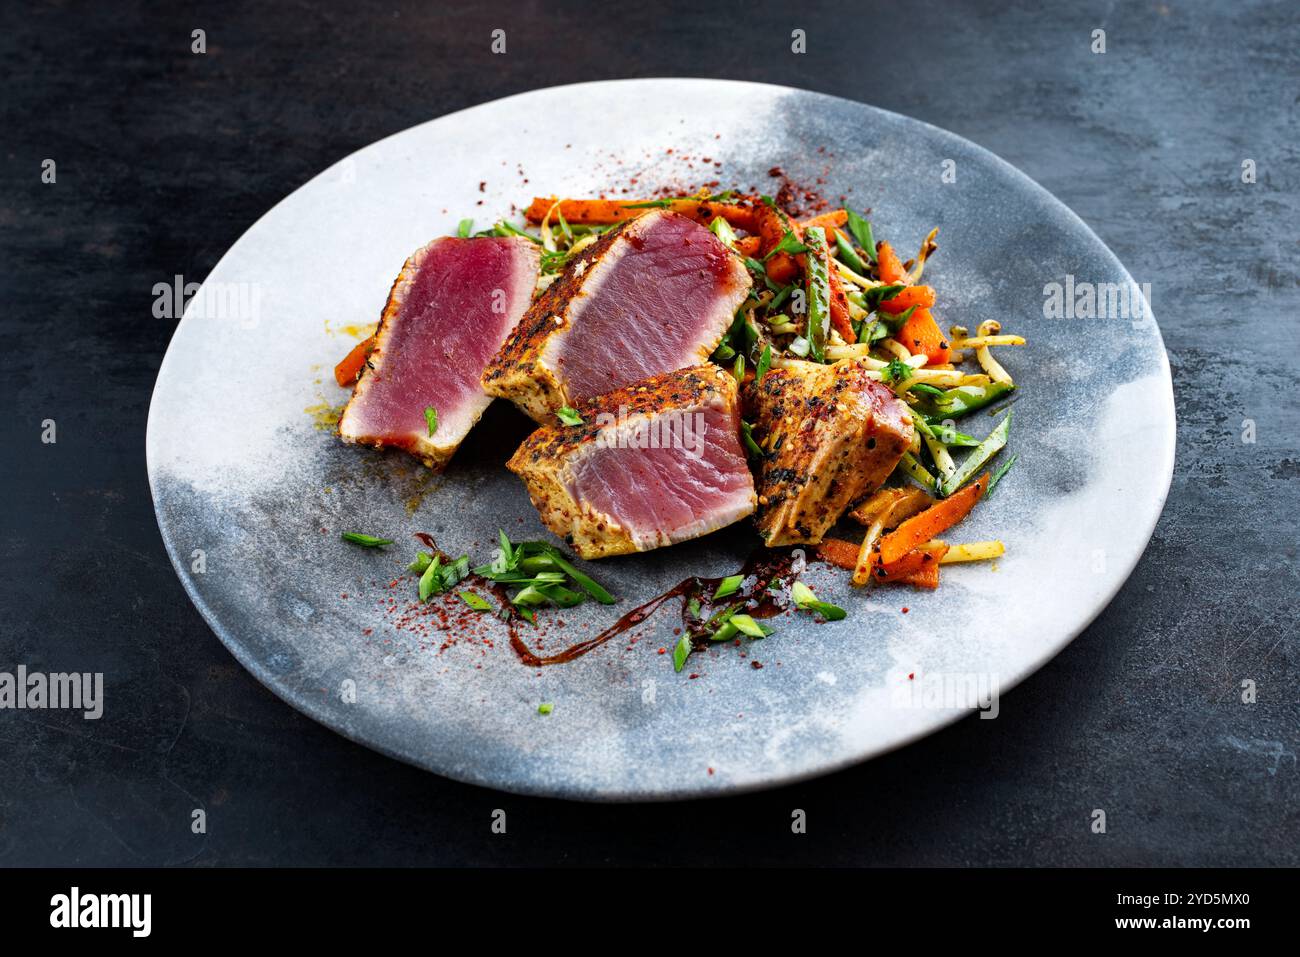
column 241, row 474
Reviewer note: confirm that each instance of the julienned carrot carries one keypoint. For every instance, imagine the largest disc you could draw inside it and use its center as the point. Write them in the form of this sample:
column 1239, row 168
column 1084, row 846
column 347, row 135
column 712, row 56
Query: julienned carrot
column 921, row 334
column 347, row 371
column 920, row 296
column 934, row 521
column 839, row 553
column 927, row 577
column 836, row 217
column 891, row 267
column 840, row 318
column 603, row 212
column 772, row 227
column 914, row 561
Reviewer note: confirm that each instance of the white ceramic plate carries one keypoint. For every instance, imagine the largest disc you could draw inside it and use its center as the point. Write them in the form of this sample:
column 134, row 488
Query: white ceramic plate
column 251, row 497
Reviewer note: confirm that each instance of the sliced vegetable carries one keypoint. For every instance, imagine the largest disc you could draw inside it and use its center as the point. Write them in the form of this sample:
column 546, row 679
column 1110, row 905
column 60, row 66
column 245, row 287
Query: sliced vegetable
column 965, row 399
column 819, row 295
column 931, row 523
column 920, row 296
column 849, row 256
column 890, row 266
column 682, row 652
column 568, row 416
column 431, row 419
column 920, row 335
column 475, row 601
column 861, row 230
column 365, row 541
column 806, row 600
column 997, row 476
column 978, row 457
column 729, row 586
column 347, row 371
column 746, row 625
column 974, row 552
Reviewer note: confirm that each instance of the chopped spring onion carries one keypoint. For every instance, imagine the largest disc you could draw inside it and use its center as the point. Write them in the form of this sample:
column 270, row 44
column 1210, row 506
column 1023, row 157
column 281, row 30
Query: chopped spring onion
column 568, row 416
column 848, row 255
column 545, row 708
column 682, row 652
column 764, row 363
column 1003, row 470
column 746, row 625
column 806, row 599
column 861, row 230
column 977, row 458
column 729, row 586
column 366, row 541
column 916, row 471
column 474, row 601
column 464, row 228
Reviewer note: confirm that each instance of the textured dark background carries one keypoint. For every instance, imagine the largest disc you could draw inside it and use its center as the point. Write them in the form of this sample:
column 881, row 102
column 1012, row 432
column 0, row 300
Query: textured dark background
column 165, row 158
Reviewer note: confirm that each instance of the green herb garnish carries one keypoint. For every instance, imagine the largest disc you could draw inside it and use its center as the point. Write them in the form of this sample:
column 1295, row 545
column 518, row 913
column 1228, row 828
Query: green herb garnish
column 431, row 419
column 896, row 371
column 746, row 625
column 729, row 586
column 861, row 230
column 465, row 227
column 789, row 244
column 568, row 416
column 848, row 255
column 475, row 601
column 366, row 541
column 545, row 708
column 764, row 363
column 682, row 652
column 1006, row 467
column 806, row 600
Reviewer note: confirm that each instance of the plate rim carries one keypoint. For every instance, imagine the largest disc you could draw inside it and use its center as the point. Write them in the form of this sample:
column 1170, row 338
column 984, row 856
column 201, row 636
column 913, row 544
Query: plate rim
column 310, row 707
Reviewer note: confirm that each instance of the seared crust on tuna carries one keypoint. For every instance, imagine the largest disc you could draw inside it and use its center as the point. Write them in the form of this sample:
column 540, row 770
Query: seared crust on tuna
column 650, row 296
column 830, row 434
column 651, row 464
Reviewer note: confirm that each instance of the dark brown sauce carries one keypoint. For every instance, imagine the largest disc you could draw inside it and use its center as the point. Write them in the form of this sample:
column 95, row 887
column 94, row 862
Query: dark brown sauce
column 765, row 567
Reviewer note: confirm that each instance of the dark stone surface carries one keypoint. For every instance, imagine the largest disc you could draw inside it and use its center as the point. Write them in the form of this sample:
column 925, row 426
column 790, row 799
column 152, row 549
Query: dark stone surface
column 165, row 158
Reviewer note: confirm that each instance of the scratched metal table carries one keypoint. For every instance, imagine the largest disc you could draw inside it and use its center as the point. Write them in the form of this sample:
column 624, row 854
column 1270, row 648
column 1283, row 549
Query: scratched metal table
column 165, row 156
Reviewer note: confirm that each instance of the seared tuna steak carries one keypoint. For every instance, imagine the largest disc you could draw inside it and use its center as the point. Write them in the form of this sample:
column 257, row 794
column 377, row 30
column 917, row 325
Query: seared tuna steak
column 452, row 306
column 830, row 434
column 653, row 295
column 651, row 464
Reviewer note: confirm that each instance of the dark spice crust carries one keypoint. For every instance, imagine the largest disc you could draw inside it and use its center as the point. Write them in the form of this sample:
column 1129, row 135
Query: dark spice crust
column 518, row 357
column 830, row 434
column 683, row 389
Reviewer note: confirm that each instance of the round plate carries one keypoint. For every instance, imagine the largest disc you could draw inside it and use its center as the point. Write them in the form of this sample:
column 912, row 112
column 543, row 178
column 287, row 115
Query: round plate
column 252, row 489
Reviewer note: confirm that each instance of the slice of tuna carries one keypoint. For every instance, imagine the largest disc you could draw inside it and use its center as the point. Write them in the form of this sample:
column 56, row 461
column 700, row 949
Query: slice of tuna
column 830, row 435
column 448, row 313
column 652, row 464
column 653, row 295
